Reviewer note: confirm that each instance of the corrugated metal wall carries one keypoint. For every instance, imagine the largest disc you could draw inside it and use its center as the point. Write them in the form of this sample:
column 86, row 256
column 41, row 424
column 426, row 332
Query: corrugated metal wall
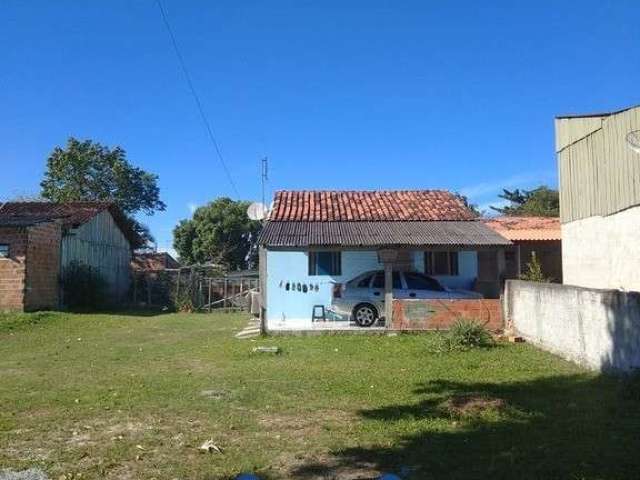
column 101, row 244
column 599, row 174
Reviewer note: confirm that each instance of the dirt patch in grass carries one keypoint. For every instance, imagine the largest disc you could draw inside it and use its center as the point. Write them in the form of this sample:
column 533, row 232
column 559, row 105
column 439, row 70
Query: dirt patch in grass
column 472, row 404
column 303, row 427
column 328, row 467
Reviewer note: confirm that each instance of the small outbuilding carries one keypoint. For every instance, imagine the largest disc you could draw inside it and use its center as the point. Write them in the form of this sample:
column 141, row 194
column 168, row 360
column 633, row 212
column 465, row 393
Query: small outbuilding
column 153, row 262
column 539, row 236
column 38, row 240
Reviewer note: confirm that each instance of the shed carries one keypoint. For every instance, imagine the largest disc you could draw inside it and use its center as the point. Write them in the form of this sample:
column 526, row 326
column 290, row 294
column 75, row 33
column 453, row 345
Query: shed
column 93, row 233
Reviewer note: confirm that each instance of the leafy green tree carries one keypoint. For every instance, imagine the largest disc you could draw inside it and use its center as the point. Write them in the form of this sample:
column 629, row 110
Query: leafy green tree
column 542, row 201
column 88, row 171
column 219, row 232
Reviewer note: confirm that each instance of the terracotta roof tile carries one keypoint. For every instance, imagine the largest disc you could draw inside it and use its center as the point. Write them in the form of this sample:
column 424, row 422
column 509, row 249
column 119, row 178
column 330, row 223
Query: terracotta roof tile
column 526, row 228
column 387, row 206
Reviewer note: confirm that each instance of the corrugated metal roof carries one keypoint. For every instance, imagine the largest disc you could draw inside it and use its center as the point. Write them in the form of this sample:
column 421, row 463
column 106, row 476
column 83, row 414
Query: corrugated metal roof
column 526, row 228
column 380, row 234
column 379, row 205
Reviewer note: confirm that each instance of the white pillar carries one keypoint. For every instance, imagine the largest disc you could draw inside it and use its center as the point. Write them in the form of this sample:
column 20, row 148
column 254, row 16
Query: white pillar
column 388, row 293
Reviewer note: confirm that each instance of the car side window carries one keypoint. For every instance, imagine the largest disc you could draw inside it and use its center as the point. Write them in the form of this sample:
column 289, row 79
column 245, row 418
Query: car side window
column 364, row 283
column 422, row 282
column 378, row 280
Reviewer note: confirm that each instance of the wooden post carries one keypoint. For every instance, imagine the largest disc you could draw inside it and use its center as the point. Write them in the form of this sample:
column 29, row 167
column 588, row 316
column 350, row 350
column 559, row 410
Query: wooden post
column 209, row 295
column 240, row 294
column 501, row 268
column 148, row 282
column 178, row 285
column 224, row 295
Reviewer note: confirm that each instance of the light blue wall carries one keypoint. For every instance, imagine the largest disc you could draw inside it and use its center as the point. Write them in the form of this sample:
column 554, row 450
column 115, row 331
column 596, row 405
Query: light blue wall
column 292, row 309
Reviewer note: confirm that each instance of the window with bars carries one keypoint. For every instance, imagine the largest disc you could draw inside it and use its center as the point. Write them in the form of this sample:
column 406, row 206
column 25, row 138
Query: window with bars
column 325, row 263
column 441, row 263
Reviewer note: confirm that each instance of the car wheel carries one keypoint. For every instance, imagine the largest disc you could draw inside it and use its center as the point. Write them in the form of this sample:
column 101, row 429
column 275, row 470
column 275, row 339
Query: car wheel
column 365, row 315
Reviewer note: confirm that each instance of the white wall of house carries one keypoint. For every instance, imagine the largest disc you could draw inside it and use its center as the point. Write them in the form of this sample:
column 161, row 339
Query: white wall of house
column 292, row 310
column 603, row 252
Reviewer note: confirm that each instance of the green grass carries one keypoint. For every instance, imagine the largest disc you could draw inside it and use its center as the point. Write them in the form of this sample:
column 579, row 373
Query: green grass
column 115, row 396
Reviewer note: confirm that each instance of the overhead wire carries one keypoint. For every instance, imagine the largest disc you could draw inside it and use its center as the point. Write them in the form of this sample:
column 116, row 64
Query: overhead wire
column 196, row 98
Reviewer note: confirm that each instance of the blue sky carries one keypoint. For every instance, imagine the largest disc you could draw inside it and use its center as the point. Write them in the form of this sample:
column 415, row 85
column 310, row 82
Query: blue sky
column 338, row 94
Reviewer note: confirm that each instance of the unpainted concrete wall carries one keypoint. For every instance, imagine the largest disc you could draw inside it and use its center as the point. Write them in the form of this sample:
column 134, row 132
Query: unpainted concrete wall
column 599, row 329
column 603, row 252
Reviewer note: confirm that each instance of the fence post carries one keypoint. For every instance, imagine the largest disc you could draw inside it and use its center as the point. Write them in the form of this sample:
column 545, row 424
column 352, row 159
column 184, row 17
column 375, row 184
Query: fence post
column 209, row 294
column 146, row 279
column 178, row 286
column 226, row 286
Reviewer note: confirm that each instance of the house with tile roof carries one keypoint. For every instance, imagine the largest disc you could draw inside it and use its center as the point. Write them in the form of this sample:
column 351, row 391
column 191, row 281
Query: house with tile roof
column 313, row 242
column 539, row 236
column 38, row 240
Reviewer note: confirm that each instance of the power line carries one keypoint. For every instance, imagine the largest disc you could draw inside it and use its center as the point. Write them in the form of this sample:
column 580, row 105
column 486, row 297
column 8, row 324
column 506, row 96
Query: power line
column 203, row 116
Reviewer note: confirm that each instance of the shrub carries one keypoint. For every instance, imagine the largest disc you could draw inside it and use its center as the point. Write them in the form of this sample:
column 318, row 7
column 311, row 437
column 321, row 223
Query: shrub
column 463, row 335
column 83, row 287
column 533, row 272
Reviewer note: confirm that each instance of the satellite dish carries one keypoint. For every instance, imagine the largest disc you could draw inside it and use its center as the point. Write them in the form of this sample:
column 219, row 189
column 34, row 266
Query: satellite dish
column 633, row 140
column 257, row 211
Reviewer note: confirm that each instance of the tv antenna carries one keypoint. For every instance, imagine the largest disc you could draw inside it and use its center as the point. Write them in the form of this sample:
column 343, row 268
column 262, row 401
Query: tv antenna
column 264, row 176
column 633, row 140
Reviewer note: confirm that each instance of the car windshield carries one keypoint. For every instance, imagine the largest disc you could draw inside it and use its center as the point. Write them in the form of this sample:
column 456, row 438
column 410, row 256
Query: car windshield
column 416, row 281
column 378, row 280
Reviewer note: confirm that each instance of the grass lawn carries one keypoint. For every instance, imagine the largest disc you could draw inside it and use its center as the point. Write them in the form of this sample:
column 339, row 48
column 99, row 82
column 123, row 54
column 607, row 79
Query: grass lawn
column 115, row 396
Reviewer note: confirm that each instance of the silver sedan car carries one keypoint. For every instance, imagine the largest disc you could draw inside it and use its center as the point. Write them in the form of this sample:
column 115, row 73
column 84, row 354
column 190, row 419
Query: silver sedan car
column 363, row 297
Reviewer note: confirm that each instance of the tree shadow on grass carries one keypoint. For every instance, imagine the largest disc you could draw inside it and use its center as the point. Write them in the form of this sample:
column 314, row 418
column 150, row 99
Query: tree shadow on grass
column 574, row 427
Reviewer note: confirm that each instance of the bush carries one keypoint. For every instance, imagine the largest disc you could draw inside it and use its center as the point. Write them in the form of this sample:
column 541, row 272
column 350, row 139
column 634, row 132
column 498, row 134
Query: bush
column 533, row 272
column 83, row 287
column 465, row 334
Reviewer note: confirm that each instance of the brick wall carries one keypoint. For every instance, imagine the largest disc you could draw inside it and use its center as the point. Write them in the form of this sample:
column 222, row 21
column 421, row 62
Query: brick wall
column 441, row 314
column 43, row 266
column 13, row 269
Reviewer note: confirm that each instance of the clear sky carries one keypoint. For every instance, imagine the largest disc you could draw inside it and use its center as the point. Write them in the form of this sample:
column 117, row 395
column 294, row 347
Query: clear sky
column 338, row 94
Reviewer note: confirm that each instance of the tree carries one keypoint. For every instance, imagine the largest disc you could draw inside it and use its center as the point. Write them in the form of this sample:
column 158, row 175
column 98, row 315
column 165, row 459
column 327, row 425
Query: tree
column 471, row 206
column 542, row 201
column 88, row 171
column 219, row 232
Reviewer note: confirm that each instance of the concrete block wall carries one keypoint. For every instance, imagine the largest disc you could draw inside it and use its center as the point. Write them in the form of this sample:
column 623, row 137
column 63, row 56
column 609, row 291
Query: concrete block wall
column 13, row 269
column 442, row 314
column 599, row 329
column 603, row 252
column 43, row 267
